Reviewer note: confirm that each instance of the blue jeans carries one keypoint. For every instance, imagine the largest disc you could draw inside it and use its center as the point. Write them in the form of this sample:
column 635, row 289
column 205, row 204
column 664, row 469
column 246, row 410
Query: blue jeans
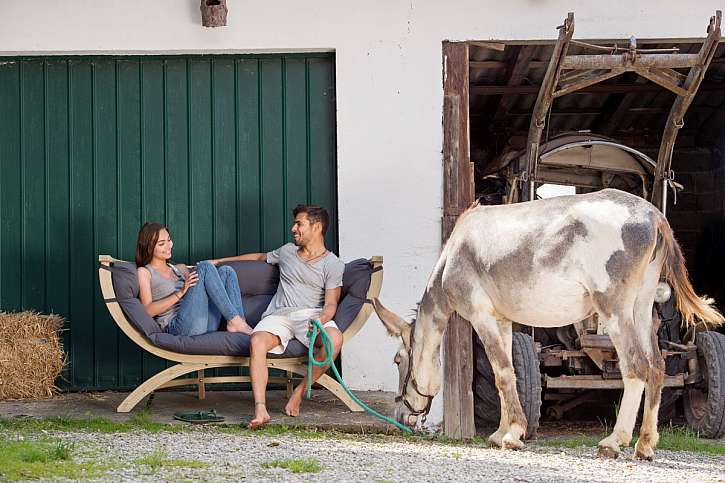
column 215, row 295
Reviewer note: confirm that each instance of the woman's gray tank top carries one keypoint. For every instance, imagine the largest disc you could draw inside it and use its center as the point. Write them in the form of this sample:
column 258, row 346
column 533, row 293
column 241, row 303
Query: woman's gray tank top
column 162, row 287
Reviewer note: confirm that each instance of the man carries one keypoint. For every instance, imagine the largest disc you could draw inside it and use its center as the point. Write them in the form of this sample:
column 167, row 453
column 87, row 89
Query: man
column 310, row 284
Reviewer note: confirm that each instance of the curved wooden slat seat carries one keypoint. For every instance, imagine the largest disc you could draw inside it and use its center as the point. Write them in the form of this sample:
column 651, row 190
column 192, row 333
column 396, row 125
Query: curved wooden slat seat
column 188, row 363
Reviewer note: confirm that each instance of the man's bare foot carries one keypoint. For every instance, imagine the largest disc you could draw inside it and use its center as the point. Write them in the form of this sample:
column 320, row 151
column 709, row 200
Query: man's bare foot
column 238, row 324
column 261, row 416
column 293, row 405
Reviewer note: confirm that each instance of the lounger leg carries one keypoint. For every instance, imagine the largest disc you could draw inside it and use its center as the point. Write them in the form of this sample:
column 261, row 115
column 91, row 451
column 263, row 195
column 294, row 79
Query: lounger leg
column 200, row 384
column 331, row 385
column 154, row 382
column 289, row 384
column 335, row 388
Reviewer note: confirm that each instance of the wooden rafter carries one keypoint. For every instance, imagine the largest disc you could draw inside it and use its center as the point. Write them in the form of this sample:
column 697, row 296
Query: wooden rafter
column 518, row 74
column 614, row 118
column 489, row 90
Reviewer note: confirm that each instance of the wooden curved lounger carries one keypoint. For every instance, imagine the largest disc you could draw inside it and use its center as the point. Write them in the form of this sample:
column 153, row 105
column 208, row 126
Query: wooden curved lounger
column 188, row 363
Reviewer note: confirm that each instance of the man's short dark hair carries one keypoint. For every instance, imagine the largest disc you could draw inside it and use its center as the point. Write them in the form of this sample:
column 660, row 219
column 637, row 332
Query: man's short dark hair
column 315, row 213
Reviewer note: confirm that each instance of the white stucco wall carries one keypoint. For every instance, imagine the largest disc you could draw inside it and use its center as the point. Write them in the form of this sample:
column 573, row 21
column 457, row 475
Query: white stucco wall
column 389, row 97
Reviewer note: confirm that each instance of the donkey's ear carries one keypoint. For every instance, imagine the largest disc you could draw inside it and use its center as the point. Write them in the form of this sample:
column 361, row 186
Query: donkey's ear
column 396, row 325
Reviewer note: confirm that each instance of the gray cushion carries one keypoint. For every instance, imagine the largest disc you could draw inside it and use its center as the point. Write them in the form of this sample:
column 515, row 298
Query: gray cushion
column 125, row 285
column 258, row 283
column 211, row 343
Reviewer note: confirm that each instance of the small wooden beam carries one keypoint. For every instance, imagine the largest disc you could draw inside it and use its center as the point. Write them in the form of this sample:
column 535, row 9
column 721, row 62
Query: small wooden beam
column 500, row 46
column 497, row 90
column 624, row 61
column 500, row 64
column 663, row 80
column 593, row 77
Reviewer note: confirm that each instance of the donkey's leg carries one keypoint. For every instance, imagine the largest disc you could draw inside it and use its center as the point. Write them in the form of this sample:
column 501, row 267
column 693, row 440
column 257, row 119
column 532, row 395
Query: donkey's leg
column 634, row 366
column 648, row 435
column 503, row 426
column 496, row 338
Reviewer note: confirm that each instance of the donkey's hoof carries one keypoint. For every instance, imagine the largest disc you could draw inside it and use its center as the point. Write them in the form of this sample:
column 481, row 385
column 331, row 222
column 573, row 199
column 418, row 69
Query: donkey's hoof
column 607, row 452
column 644, row 453
column 509, row 442
column 496, row 439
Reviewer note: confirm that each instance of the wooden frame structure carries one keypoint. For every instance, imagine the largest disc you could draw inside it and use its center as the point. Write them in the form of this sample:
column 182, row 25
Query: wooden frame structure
column 198, row 363
column 570, row 73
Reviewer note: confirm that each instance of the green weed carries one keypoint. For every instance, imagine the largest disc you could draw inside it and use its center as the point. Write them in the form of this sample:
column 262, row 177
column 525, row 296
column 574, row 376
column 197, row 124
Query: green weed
column 308, row 465
column 22, row 460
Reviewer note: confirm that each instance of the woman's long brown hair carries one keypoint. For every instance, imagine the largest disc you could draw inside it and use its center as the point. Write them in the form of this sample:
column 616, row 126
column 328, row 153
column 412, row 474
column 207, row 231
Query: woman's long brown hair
column 148, row 235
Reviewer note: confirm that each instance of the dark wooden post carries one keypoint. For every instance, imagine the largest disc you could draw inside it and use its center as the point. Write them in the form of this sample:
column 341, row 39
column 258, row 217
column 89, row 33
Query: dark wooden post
column 458, row 194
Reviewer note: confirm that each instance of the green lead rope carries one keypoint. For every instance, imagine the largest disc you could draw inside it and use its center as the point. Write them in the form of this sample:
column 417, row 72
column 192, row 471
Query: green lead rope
column 317, row 329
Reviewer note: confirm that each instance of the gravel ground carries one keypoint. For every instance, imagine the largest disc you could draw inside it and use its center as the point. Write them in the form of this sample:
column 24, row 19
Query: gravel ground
column 371, row 458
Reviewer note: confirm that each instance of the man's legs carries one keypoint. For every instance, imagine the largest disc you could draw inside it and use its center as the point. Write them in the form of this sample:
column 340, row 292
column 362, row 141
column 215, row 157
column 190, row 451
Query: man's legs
column 260, row 344
column 293, row 405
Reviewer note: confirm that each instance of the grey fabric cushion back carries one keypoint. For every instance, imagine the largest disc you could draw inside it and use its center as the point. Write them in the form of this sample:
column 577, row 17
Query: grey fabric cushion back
column 258, row 283
column 125, row 284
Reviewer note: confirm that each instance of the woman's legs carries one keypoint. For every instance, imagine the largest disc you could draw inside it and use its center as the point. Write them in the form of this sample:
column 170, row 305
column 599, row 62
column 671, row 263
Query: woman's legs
column 204, row 303
column 192, row 318
column 231, row 285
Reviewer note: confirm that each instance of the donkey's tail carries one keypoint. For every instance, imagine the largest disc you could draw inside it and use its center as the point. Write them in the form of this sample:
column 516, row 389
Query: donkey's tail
column 692, row 307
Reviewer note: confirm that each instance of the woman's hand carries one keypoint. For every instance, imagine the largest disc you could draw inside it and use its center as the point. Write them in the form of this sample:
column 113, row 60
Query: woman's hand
column 188, row 283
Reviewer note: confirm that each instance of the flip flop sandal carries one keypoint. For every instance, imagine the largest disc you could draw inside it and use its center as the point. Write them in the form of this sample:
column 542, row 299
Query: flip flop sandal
column 199, row 417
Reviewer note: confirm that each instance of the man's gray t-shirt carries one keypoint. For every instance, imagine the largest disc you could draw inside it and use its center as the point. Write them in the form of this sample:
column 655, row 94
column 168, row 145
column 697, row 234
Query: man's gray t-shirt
column 302, row 285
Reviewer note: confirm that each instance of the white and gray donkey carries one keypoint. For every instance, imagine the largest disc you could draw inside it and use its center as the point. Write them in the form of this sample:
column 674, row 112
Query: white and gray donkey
column 551, row 263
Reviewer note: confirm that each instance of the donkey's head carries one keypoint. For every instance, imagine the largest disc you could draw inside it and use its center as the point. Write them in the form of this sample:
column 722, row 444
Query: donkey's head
column 412, row 400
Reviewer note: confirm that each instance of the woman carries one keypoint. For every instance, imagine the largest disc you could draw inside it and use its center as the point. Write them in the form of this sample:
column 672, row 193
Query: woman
column 185, row 302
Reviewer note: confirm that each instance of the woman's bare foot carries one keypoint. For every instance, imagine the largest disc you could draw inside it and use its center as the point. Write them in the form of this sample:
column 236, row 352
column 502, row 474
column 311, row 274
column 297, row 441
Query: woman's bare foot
column 293, row 405
column 238, row 324
column 261, row 416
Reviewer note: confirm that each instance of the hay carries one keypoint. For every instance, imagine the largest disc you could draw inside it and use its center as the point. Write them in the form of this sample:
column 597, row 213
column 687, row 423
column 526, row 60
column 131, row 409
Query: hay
column 31, row 355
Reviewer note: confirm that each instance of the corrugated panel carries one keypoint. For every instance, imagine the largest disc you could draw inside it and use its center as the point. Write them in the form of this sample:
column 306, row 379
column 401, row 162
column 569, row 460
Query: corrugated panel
column 218, row 147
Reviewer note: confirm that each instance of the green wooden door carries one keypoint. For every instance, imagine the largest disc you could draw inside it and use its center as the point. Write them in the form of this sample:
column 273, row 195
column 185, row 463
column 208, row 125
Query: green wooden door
column 218, row 147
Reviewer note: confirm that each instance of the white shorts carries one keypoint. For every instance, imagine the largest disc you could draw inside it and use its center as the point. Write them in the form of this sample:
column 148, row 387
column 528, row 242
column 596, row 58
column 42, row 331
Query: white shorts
column 290, row 326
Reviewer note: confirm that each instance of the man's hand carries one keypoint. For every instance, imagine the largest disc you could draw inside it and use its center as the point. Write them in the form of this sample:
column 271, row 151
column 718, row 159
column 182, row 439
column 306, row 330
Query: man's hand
column 214, row 262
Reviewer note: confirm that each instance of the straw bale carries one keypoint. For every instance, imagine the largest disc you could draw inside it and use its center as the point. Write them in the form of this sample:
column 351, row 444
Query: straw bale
column 31, row 355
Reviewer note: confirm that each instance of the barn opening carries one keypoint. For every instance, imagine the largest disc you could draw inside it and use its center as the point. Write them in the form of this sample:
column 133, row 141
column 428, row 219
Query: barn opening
column 504, row 79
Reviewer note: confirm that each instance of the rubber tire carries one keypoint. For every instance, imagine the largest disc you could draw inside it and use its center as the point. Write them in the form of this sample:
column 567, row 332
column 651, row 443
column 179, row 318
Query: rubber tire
column 709, row 422
column 487, row 404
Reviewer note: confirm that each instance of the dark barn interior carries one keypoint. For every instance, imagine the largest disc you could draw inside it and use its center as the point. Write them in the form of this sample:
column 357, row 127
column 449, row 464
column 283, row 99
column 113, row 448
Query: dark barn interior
column 505, row 81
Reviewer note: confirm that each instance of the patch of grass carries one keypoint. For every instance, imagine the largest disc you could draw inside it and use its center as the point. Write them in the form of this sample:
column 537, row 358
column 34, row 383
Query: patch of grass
column 675, row 438
column 308, row 465
column 571, row 442
column 672, row 438
column 22, row 460
column 276, row 430
column 139, row 421
column 159, row 458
